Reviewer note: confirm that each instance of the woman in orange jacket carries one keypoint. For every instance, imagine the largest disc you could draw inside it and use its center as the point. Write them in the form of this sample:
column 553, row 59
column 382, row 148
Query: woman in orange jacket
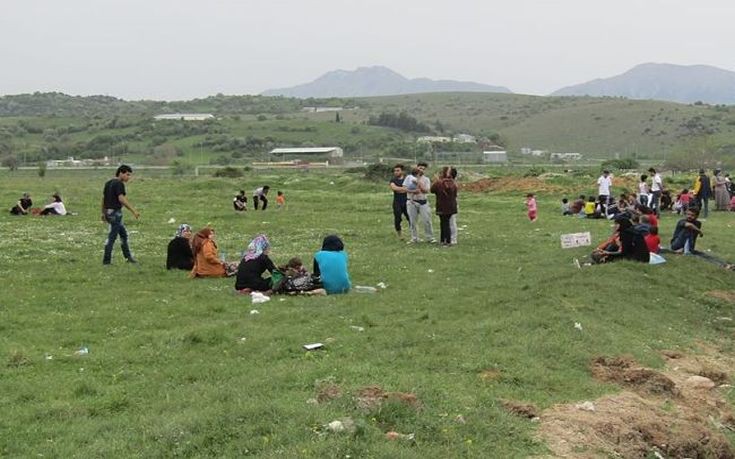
column 206, row 256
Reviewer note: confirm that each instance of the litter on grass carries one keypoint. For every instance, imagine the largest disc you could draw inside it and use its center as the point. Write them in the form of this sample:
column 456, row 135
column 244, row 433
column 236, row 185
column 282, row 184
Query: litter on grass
column 82, row 351
column 258, row 298
column 254, row 311
column 172, row 220
column 313, row 346
column 356, row 328
column 578, row 326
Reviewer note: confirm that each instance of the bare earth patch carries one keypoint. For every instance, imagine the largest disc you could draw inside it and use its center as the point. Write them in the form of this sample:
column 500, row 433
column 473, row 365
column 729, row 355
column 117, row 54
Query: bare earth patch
column 524, row 410
column 725, row 295
column 372, row 397
column 677, row 412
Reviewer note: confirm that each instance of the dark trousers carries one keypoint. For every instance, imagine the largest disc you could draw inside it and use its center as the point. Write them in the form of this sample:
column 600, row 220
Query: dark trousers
column 445, row 234
column 655, row 200
column 399, row 211
column 117, row 228
column 703, row 204
column 681, row 240
column 261, row 198
column 49, row 211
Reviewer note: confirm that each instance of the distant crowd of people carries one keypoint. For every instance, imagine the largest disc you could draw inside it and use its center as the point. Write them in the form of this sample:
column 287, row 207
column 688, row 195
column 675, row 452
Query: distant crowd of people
column 260, row 199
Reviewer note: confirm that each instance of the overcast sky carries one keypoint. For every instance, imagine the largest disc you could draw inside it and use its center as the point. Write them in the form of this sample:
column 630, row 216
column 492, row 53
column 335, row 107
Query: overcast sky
column 180, row 49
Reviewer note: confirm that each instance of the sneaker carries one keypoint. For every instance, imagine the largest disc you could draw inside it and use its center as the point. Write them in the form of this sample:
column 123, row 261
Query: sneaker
column 433, row 241
column 132, row 261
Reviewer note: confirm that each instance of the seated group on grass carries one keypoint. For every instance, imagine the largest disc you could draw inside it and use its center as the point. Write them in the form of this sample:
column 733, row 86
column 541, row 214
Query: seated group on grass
column 635, row 236
column 24, row 206
column 199, row 254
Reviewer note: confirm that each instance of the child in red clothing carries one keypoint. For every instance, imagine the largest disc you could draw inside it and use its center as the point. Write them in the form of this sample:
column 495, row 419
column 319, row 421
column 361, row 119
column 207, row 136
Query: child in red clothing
column 652, row 240
column 531, row 205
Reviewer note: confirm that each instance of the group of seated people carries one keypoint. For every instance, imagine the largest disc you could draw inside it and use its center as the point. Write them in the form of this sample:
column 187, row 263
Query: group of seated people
column 635, row 236
column 598, row 207
column 198, row 254
column 24, row 206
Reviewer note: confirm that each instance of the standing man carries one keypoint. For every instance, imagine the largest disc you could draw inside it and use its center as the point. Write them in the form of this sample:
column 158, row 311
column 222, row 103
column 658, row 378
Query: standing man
column 417, row 186
column 113, row 200
column 702, row 191
column 657, row 186
column 399, row 198
column 604, row 183
column 261, row 194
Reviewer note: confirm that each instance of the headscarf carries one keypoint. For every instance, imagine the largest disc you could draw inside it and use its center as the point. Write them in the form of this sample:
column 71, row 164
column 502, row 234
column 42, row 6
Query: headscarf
column 333, row 243
column 182, row 227
column 199, row 239
column 257, row 246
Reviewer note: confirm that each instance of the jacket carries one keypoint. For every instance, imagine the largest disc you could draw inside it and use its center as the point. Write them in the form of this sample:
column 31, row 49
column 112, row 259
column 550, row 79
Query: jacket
column 206, row 262
column 446, row 196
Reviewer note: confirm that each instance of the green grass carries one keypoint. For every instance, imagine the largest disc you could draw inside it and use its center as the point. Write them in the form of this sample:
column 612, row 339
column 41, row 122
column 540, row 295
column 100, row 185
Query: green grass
column 169, row 374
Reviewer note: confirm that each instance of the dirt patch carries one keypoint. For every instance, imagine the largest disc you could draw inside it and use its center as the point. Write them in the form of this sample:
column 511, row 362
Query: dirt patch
column 490, row 374
column 660, row 412
column 328, row 392
column 724, row 295
column 717, row 376
column 626, row 372
column 372, row 397
column 524, row 410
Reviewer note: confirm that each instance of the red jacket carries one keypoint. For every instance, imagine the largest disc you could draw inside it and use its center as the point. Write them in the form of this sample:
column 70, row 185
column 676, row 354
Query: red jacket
column 446, row 196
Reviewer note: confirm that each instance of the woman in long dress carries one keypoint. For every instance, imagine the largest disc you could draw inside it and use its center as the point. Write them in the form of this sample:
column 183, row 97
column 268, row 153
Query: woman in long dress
column 722, row 196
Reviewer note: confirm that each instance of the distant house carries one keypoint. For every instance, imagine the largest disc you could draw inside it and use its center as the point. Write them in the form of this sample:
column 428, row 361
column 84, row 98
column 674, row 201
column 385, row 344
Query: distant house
column 566, row 156
column 185, row 116
column 526, row 150
column 433, row 139
column 71, row 162
column 334, row 153
column 464, row 138
column 321, row 109
column 538, row 153
column 494, row 156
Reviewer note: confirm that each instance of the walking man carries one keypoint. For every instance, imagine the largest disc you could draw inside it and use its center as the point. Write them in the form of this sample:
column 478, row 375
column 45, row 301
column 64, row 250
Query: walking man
column 261, row 194
column 417, row 186
column 657, row 186
column 702, row 192
column 399, row 198
column 604, row 183
column 113, row 200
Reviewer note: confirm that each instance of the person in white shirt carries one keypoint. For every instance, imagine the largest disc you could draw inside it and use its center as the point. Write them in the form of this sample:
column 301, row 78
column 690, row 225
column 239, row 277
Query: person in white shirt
column 417, row 186
column 261, row 194
column 56, row 207
column 657, row 186
column 643, row 191
column 604, row 183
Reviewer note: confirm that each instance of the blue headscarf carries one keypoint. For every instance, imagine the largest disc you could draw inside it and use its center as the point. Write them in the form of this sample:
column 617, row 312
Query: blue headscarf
column 257, row 246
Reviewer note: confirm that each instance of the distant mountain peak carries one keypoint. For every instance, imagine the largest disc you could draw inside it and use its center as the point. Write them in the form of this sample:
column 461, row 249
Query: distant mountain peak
column 376, row 80
column 661, row 81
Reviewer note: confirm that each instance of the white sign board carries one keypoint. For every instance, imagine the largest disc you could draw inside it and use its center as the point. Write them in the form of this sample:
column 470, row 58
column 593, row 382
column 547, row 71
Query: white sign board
column 572, row 240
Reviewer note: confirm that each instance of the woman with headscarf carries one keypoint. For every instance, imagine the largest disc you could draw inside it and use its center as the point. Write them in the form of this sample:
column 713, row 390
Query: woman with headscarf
column 23, row 206
column 330, row 263
column 179, row 254
column 722, row 195
column 206, row 256
column 254, row 264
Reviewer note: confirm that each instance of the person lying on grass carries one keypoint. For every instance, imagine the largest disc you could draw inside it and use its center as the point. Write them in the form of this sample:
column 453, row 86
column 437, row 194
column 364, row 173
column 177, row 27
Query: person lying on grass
column 253, row 265
column 330, row 264
column 631, row 246
column 206, row 256
column 179, row 254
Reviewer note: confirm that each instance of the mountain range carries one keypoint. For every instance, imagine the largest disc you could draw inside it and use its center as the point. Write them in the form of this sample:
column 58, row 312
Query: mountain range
column 376, row 81
column 667, row 82
column 674, row 83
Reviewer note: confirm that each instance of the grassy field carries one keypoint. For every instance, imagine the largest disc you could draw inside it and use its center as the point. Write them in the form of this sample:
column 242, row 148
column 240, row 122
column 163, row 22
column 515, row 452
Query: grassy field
column 181, row 367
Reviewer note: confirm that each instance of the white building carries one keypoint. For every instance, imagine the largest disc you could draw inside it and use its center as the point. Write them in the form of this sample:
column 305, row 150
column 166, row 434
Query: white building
column 71, row 162
column 494, row 156
column 332, row 152
column 538, row 153
column 433, row 139
column 464, row 138
column 566, row 156
column 185, row 116
column 526, row 150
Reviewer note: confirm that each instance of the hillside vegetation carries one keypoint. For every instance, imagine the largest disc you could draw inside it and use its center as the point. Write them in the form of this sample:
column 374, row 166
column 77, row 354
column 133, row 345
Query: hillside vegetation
column 36, row 127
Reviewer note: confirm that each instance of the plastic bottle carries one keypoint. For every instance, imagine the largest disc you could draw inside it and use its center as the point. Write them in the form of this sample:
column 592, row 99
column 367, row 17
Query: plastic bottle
column 365, row 289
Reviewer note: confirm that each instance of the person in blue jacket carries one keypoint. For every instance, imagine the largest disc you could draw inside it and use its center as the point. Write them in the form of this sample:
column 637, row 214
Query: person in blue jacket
column 330, row 263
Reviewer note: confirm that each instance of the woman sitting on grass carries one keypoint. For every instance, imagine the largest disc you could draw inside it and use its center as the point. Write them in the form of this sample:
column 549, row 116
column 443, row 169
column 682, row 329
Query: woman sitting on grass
column 206, row 257
column 55, row 208
column 179, row 254
column 330, row 263
column 297, row 280
column 23, row 206
column 253, row 265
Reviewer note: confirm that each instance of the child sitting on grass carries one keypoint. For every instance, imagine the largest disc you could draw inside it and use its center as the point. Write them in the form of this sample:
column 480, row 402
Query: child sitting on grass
column 297, row 280
column 652, row 240
column 565, row 207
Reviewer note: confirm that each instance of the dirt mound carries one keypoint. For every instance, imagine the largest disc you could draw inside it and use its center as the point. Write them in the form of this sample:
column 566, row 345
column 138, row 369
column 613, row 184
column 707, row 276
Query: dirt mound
column 524, row 410
column 661, row 413
column 372, row 397
column 328, row 392
column 515, row 184
column 625, row 371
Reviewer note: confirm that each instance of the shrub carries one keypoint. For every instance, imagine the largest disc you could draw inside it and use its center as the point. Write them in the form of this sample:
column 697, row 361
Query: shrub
column 42, row 169
column 229, row 172
column 378, row 172
column 625, row 163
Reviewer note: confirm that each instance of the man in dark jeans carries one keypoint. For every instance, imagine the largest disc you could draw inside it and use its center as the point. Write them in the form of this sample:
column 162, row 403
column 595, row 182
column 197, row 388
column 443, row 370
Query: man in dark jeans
column 686, row 232
column 113, row 200
column 399, row 198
